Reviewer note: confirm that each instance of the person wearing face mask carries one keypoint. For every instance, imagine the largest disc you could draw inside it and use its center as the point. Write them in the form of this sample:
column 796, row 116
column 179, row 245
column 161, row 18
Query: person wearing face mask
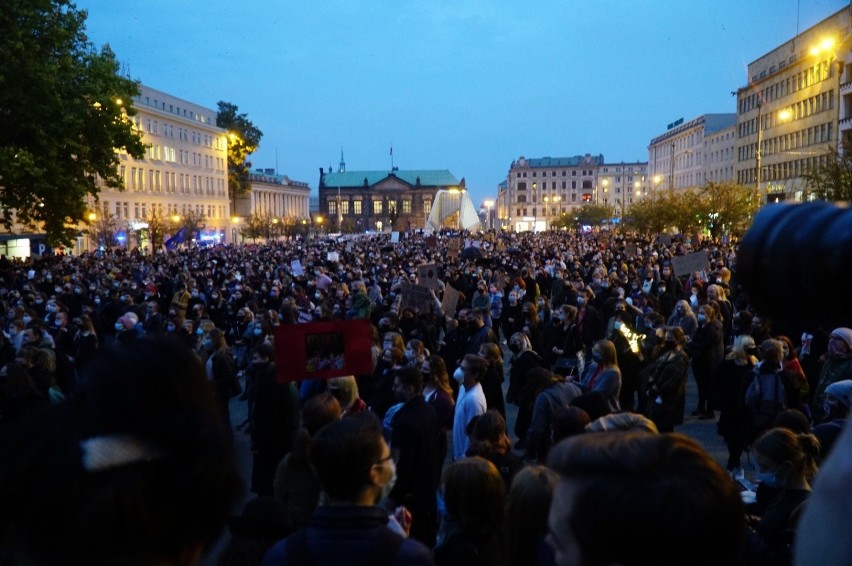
column 523, row 360
column 836, row 367
column 731, row 380
column 512, row 314
column 666, row 389
column 355, row 468
column 706, row 351
column 683, row 317
column 470, row 402
column 415, row 449
column 838, row 401
column 590, row 325
column 221, row 371
column 603, row 374
column 274, row 418
column 787, row 463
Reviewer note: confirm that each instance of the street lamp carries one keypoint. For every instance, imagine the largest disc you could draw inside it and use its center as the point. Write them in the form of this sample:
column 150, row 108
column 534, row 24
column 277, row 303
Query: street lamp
column 489, row 204
column 535, row 203
column 235, row 221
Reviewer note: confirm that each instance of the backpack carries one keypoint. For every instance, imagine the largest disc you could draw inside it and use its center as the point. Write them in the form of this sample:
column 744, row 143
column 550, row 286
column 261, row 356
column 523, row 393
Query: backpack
column 382, row 552
column 766, row 402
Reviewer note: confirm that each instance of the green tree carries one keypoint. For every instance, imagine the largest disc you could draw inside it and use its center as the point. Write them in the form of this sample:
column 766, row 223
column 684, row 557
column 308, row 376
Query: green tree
column 727, row 207
column 243, row 139
column 261, row 225
column 832, row 180
column 64, row 110
column 594, row 214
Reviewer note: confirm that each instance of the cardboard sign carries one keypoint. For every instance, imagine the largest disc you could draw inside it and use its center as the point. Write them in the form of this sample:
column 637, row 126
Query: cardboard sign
column 295, row 266
column 394, row 237
column 428, row 276
column 664, row 239
column 450, row 300
column 333, row 256
column 416, row 297
column 322, row 350
column 686, row 264
column 453, row 247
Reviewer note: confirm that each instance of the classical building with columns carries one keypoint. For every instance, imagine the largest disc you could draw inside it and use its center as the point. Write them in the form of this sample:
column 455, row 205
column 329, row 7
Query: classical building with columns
column 379, row 200
column 185, row 168
column 275, row 195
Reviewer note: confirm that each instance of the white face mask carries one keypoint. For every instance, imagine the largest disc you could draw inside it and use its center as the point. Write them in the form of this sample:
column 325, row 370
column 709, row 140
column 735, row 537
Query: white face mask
column 388, row 487
column 458, row 375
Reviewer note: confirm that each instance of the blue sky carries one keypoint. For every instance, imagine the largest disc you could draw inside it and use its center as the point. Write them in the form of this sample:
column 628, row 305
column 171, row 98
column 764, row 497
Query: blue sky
column 464, row 85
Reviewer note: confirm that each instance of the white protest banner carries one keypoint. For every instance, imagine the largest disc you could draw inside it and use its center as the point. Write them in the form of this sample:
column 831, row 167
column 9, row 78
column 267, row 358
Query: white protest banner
column 394, row 237
column 333, row 256
column 296, row 267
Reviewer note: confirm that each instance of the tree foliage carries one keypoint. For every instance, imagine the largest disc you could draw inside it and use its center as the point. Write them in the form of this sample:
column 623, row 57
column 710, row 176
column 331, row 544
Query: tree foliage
column 832, row 180
column 261, row 225
column 192, row 223
column 157, row 226
column 104, row 232
column 64, row 110
column 593, row 214
column 243, row 139
column 718, row 208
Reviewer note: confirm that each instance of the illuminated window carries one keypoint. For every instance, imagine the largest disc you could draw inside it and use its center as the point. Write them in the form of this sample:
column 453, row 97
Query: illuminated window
column 356, row 206
column 332, row 207
column 406, row 206
column 427, row 205
column 344, row 207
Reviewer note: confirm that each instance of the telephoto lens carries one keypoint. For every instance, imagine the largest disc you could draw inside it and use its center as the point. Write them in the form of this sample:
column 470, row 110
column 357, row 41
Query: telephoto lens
column 795, row 263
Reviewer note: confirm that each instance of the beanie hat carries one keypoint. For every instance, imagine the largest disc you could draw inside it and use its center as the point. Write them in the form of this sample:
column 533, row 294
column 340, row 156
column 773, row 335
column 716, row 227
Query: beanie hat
column 844, row 334
column 842, row 391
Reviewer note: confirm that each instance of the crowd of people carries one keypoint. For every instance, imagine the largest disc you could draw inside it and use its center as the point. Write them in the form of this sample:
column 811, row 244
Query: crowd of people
column 593, row 338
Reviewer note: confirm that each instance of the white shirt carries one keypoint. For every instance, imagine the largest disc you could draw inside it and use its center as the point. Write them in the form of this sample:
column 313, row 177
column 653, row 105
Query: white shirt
column 469, row 404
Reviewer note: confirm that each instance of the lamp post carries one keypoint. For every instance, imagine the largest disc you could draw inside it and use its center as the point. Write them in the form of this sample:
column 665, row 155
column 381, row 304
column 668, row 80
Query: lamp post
column 535, row 203
column 757, row 150
column 489, row 205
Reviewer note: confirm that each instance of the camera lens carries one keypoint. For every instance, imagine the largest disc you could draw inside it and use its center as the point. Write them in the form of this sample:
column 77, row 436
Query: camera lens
column 795, row 262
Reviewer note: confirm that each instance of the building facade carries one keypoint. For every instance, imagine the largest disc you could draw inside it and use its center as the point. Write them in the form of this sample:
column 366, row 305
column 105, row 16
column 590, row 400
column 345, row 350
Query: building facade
column 185, row 168
column 541, row 190
column 679, row 160
column 621, row 184
column 796, row 106
column 358, row 201
column 274, row 195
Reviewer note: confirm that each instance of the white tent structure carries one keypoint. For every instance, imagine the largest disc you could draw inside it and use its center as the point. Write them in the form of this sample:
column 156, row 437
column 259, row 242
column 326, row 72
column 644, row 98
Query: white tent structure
column 448, row 203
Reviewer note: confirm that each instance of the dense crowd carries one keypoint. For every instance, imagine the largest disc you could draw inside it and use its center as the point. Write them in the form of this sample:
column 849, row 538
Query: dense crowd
column 595, row 334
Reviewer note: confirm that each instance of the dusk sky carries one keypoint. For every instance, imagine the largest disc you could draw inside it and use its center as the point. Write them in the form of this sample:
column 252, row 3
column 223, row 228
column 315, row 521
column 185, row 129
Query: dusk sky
column 464, row 85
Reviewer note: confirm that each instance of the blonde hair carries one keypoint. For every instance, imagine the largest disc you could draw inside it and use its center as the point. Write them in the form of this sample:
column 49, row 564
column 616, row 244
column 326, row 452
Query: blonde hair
column 783, row 445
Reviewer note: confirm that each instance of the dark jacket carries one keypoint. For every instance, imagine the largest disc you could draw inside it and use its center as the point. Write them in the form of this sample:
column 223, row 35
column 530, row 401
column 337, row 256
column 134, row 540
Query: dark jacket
column 345, row 535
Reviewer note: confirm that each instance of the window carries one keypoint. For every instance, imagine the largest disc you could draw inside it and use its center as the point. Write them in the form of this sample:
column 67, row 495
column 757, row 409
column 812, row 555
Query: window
column 522, row 186
column 344, row 207
column 427, row 206
column 377, row 207
column 406, row 206
column 356, row 206
column 332, row 207
column 522, row 198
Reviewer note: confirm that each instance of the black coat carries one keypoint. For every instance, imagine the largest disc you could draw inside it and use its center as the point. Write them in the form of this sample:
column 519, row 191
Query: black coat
column 415, row 442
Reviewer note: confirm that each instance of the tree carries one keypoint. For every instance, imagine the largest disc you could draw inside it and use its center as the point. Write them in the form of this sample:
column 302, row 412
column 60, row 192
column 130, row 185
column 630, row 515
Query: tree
column 104, row 232
column 832, row 180
column 157, row 227
column 243, row 139
column 64, row 110
column 260, row 225
column 192, row 222
column 593, row 214
column 727, row 207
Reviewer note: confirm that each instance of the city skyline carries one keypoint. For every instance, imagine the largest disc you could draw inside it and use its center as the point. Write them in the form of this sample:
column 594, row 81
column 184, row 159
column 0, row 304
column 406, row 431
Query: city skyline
column 466, row 86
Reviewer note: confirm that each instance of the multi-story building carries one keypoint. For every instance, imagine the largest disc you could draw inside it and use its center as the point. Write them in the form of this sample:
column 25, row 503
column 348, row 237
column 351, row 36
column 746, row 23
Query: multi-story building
column 372, row 200
column 678, row 160
column 541, row 190
column 185, row 168
column 275, row 195
column 620, row 184
column 720, row 148
column 796, row 106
